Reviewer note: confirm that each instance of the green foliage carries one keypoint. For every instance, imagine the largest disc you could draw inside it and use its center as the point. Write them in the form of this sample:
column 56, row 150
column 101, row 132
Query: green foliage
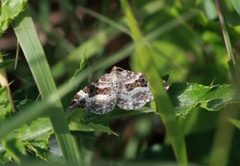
column 4, row 104
column 14, row 149
column 76, row 123
column 9, row 11
column 13, row 146
column 182, row 39
column 35, row 136
column 186, row 96
column 6, row 62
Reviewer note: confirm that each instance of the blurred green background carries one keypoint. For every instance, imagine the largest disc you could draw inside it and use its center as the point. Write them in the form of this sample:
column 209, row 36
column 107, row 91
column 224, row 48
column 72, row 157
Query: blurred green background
column 186, row 41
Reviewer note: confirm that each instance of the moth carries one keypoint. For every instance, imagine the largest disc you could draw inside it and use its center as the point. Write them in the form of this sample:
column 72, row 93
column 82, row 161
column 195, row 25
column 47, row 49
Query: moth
column 127, row 89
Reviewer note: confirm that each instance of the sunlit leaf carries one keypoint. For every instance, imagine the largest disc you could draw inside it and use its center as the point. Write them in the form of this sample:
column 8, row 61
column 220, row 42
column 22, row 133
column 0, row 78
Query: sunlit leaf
column 186, row 96
column 35, row 135
column 10, row 10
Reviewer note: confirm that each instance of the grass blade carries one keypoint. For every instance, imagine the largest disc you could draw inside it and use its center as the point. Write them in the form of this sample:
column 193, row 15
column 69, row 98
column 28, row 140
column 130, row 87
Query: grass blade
column 164, row 106
column 33, row 51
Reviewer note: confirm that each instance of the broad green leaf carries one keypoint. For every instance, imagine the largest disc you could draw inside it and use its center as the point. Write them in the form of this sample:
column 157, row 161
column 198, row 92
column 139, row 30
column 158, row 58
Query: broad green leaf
column 35, row 135
column 9, row 10
column 186, row 96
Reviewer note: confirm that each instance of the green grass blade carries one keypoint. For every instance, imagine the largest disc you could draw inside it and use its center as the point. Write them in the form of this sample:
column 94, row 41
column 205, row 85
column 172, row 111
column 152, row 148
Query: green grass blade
column 232, row 59
column 222, row 145
column 106, row 20
column 164, row 106
column 33, row 51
